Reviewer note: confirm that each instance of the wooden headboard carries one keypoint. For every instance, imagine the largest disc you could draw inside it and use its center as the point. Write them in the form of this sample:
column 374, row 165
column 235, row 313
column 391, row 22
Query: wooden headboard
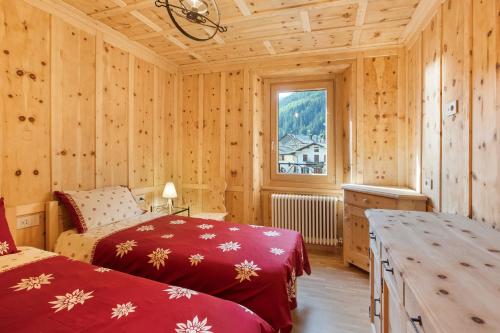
column 57, row 222
column 36, row 236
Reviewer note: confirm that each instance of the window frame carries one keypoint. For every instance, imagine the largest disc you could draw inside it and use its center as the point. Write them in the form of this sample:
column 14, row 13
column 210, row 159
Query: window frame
column 275, row 89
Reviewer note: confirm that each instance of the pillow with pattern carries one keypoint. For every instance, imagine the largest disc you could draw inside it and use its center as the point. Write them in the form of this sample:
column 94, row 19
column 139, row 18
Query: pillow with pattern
column 99, row 207
column 7, row 245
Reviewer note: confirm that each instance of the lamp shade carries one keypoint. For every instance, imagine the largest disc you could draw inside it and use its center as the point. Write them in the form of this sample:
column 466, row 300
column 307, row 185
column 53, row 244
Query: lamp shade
column 169, row 192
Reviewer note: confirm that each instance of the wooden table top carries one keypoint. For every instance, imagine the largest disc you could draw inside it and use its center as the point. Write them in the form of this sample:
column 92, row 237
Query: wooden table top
column 386, row 191
column 450, row 263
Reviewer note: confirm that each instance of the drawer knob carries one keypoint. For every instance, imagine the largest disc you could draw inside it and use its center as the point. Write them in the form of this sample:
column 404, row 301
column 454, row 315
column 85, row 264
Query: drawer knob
column 365, row 201
column 414, row 322
column 387, row 267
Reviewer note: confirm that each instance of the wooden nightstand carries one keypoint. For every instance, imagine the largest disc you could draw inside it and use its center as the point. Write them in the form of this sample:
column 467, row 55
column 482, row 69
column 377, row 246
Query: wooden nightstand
column 175, row 210
column 358, row 198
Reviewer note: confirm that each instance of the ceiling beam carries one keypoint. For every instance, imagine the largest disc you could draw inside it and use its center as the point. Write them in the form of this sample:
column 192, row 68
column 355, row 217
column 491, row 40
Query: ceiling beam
column 243, row 7
column 269, row 47
column 120, row 3
column 155, row 27
column 123, row 10
column 306, row 57
column 360, row 21
column 217, row 37
column 306, row 23
column 288, row 11
column 272, row 36
column 423, row 12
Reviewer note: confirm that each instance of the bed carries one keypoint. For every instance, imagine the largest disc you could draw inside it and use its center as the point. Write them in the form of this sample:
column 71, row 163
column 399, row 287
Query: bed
column 45, row 292
column 251, row 265
column 41, row 291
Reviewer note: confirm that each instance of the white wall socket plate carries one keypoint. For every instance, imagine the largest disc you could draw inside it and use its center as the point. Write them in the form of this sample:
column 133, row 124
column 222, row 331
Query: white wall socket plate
column 452, row 108
column 28, row 221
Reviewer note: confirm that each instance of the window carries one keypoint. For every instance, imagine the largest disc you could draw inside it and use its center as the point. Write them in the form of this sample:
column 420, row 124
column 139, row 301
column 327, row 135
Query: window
column 302, row 131
column 302, row 127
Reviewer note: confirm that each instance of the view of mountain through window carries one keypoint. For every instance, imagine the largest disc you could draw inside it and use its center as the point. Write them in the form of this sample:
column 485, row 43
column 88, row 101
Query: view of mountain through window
column 302, row 144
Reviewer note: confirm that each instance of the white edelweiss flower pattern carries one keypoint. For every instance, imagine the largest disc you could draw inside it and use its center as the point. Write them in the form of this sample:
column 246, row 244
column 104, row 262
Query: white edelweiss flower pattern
column 146, row 228
column 125, row 247
column 33, row 282
column 69, row 300
column 271, row 233
column 229, row 246
column 178, row 292
column 277, row 251
column 102, row 270
column 246, row 309
column 178, row 222
column 168, row 236
column 158, row 257
column 256, row 226
column 246, row 270
column 195, row 259
column 123, row 310
column 206, row 226
column 4, row 248
column 194, row 326
column 234, row 229
column 208, row 236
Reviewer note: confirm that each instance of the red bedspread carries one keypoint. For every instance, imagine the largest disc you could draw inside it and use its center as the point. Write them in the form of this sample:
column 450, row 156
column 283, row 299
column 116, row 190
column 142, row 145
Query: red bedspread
column 59, row 295
column 253, row 266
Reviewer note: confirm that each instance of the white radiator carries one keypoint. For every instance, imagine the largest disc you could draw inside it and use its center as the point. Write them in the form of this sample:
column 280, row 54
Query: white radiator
column 315, row 217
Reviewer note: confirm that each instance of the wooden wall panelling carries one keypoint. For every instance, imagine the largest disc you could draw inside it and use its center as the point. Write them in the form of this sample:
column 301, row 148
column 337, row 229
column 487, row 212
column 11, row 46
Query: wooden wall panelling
column 73, row 107
column 414, row 113
column 211, row 136
column 379, row 116
column 114, row 123
column 190, row 152
column 248, row 172
column 402, row 130
column 344, row 107
column 431, row 112
column 456, row 50
column 77, row 18
column 359, row 120
column 234, row 145
column 486, row 112
column 257, row 111
column 141, row 124
column 25, row 99
column 165, row 130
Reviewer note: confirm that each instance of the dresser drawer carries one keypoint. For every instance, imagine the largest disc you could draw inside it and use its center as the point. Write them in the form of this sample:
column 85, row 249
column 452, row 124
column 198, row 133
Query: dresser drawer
column 391, row 275
column 369, row 201
column 417, row 319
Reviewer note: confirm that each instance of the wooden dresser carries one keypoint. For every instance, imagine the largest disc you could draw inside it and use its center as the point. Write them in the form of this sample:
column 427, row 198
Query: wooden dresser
column 433, row 273
column 357, row 198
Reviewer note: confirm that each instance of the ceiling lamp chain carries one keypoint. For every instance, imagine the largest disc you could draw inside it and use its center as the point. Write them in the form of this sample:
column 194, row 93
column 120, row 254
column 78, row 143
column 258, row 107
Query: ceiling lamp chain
column 196, row 19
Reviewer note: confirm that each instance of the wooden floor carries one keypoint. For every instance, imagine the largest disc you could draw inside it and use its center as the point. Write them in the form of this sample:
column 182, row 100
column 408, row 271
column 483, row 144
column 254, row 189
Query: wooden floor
column 334, row 299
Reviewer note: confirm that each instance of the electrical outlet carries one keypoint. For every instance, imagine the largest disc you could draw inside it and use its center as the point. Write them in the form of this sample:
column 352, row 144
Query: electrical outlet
column 452, row 108
column 28, row 221
column 140, row 198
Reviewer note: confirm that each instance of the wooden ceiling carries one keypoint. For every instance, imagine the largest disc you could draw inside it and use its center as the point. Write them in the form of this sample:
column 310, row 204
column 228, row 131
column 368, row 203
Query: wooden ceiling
column 260, row 28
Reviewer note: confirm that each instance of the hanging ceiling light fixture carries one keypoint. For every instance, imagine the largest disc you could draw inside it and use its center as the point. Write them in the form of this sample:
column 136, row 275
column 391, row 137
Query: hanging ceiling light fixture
column 196, row 19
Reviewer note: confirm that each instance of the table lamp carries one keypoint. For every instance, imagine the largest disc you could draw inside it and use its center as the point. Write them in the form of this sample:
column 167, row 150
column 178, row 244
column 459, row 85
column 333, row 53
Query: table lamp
column 170, row 193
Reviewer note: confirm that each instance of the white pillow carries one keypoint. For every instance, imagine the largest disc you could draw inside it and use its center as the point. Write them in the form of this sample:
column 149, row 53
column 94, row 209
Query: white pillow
column 99, row 207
